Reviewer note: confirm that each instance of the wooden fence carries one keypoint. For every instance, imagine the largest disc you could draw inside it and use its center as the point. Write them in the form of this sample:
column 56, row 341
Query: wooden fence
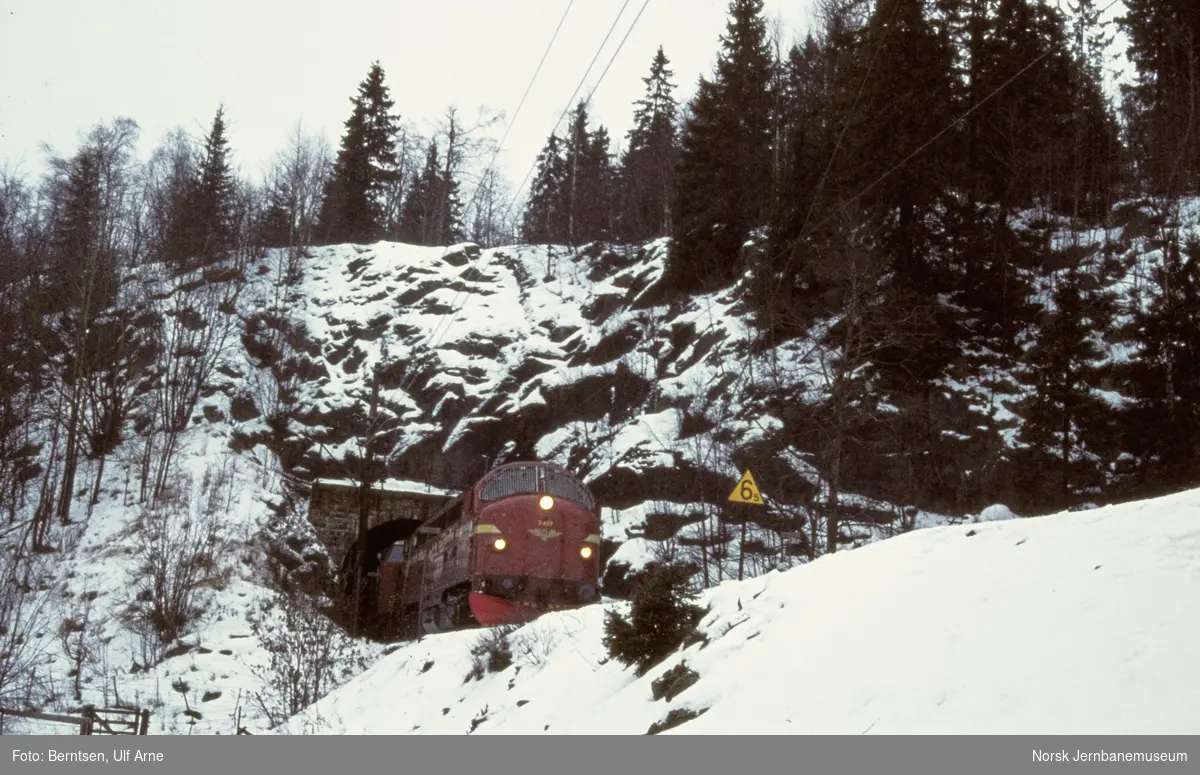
column 90, row 719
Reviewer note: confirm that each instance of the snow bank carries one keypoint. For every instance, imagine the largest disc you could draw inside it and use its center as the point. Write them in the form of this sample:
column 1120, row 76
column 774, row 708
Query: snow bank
column 1077, row 623
column 997, row 512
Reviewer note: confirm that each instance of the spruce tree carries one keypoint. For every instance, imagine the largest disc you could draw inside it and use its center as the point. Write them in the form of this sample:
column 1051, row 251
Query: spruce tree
column 451, row 227
column 214, row 194
column 1163, row 122
column 201, row 229
column 77, row 231
column 576, row 193
column 1060, row 367
column 661, row 616
column 354, row 207
column 804, row 87
column 588, row 180
column 1097, row 147
column 420, row 206
column 647, row 167
column 793, row 282
column 432, row 213
column 894, row 95
column 1163, row 424
column 904, row 71
column 600, row 187
column 1023, row 124
column 274, row 227
column 545, row 219
column 1045, row 137
column 705, row 241
column 723, row 180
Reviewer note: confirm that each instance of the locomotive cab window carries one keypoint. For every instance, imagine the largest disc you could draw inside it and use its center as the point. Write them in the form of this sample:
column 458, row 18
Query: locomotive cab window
column 521, row 480
column 566, row 487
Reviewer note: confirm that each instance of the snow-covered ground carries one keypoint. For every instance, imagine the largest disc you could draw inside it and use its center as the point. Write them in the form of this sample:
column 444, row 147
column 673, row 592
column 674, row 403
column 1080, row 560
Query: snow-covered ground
column 1076, row 623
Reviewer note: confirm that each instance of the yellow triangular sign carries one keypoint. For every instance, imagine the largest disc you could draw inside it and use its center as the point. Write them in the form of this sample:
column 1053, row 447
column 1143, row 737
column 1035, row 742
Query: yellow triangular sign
column 746, row 491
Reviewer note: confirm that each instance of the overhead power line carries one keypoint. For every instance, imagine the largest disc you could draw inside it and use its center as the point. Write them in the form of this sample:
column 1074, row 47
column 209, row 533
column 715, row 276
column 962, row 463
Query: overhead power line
column 455, row 308
column 435, row 336
column 571, row 101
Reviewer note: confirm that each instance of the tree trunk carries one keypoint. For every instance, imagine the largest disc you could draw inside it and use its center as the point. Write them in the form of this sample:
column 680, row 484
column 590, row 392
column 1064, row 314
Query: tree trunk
column 831, row 520
column 1066, row 452
column 144, row 486
column 835, row 466
column 170, row 440
column 812, row 533
column 571, row 199
column 70, row 459
column 45, row 507
column 99, row 478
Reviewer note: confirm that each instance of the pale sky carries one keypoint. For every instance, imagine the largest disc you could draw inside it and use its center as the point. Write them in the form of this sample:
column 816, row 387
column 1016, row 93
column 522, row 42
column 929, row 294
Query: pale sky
column 66, row 65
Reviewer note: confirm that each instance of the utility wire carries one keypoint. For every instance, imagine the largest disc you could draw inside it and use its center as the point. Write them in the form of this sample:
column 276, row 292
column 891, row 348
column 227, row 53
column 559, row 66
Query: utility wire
column 455, row 308
column 407, row 381
column 571, row 100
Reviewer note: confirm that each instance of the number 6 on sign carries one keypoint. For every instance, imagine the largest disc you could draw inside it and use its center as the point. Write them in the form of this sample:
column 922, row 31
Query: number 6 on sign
column 746, row 491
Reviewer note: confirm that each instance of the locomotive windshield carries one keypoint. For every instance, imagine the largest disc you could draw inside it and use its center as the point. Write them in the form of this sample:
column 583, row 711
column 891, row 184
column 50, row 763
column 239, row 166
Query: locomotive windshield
column 561, row 485
column 519, row 480
column 524, row 480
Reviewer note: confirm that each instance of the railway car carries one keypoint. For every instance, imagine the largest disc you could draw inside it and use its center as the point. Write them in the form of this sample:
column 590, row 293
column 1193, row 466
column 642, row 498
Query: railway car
column 525, row 540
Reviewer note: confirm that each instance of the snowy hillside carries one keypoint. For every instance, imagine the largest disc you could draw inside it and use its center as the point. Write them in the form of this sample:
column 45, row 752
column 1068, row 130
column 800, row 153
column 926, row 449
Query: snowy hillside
column 573, row 356
column 528, row 350
column 536, row 352
column 580, row 356
column 1077, row 623
column 548, row 354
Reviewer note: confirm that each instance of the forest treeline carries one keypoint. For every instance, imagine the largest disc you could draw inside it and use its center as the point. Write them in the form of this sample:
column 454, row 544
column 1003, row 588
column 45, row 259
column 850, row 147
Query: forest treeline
column 914, row 189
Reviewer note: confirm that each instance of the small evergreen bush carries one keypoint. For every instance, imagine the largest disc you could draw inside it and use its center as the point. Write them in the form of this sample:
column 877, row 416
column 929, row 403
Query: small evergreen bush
column 662, row 616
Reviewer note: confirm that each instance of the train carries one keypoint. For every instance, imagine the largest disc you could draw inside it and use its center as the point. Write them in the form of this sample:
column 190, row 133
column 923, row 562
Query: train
column 524, row 540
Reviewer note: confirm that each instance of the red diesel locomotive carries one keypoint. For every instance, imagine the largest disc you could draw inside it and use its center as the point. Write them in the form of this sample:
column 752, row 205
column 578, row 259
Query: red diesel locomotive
column 526, row 540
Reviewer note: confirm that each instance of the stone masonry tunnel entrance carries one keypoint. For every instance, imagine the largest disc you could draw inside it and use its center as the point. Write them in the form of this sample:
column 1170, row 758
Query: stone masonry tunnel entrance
column 395, row 509
column 401, row 505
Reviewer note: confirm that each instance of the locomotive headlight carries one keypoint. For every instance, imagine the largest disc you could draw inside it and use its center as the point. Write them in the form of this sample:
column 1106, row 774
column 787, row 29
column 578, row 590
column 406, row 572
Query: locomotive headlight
column 546, row 503
column 586, row 552
column 499, row 544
